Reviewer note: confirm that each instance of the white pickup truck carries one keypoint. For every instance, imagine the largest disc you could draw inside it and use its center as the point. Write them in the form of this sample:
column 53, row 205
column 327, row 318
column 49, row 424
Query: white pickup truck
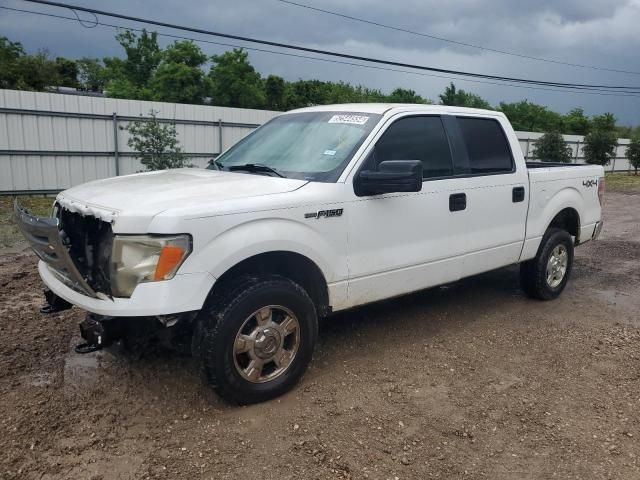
column 319, row 210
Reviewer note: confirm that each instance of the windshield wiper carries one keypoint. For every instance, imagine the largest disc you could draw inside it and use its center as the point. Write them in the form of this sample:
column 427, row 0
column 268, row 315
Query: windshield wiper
column 254, row 167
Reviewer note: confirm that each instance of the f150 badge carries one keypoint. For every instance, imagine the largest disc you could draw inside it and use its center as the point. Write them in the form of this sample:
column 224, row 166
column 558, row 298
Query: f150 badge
column 324, row 213
column 589, row 183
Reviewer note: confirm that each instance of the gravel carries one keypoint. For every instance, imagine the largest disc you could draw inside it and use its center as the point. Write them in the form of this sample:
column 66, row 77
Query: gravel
column 470, row 381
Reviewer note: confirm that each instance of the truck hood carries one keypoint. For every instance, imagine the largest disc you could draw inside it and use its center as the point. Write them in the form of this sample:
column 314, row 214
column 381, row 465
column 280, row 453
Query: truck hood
column 145, row 195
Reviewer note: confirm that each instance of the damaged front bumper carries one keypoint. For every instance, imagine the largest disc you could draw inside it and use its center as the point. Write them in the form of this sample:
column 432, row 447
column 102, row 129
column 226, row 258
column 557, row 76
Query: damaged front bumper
column 183, row 293
column 43, row 234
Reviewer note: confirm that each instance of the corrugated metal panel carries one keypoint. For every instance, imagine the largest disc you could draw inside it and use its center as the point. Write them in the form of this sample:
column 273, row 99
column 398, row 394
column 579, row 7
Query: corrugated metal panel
column 91, row 139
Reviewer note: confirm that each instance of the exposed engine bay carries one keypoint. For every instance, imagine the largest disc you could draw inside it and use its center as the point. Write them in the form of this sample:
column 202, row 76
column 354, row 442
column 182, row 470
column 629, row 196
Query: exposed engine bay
column 89, row 241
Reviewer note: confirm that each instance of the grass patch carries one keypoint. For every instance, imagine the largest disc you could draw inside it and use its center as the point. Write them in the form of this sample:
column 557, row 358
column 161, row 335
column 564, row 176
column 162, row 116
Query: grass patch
column 620, row 182
column 9, row 233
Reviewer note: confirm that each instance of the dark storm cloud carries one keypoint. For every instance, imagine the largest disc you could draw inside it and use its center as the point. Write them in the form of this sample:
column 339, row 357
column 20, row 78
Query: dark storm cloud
column 595, row 32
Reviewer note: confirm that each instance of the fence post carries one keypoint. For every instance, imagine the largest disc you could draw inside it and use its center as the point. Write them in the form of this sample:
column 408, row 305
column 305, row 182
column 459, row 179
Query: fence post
column 219, row 136
column 526, row 155
column 613, row 166
column 116, row 154
column 577, row 151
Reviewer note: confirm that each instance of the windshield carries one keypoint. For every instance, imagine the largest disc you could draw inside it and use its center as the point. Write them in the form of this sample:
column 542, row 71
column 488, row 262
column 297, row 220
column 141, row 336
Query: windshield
column 313, row 146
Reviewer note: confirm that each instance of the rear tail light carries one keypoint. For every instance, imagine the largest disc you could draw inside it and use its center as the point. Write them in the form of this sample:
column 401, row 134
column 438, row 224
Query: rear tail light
column 601, row 190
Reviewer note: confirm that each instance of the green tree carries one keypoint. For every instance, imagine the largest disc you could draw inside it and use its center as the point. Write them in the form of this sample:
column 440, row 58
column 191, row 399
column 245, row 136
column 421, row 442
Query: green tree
column 130, row 77
column 67, row 72
column 401, row 95
column 600, row 146
column 624, row 131
column 178, row 83
column 341, row 92
column 459, row 98
column 179, row 77
column 576, row 122
column 234, row 81
column 120, row 87
column 530, row 117
column 633, row 153
column 155, row 143
column 606, row 122
column 305, row 93
column 142, row 55
column 26, row 72
column 185, row 52
column 275, row 88
column 10, row 53
column 551, row 147
column 37, row 72
column 91, row 74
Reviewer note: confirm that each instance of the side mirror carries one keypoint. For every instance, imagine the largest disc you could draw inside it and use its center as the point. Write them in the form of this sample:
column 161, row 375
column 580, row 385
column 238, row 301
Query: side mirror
column 391, row 176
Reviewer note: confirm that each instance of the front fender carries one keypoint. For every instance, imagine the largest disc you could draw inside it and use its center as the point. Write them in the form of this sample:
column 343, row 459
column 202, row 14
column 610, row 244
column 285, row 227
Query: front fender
column 256, row 236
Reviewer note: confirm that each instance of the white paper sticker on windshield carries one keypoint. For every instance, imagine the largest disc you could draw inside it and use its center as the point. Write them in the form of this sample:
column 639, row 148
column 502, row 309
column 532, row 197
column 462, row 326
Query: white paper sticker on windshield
column 350, row 119
column 330, row 152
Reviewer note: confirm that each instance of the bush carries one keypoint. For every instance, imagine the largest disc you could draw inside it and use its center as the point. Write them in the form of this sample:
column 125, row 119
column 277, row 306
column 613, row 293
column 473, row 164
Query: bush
column 551, row 147
column 600, row 146
column 633, row 153
column 156, row 143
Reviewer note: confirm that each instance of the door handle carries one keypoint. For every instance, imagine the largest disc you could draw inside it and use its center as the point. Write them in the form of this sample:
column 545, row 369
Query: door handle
column 517, row 194
column 457, row 202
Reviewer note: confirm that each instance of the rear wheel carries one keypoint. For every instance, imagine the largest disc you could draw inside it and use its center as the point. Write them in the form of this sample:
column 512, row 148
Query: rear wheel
column 545, row 276
column 256, row 338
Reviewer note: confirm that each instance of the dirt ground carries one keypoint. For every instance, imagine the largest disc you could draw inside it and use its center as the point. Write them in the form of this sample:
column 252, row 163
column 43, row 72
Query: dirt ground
column 472, row 380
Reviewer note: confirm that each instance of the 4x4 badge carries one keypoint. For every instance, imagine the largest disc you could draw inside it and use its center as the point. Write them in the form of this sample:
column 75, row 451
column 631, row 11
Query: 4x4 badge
column 589, row 183
column 324, row 213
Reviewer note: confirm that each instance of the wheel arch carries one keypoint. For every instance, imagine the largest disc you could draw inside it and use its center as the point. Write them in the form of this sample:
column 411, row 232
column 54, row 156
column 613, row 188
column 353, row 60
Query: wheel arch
column 562, row 209
column 567, row 219
column 292, row 265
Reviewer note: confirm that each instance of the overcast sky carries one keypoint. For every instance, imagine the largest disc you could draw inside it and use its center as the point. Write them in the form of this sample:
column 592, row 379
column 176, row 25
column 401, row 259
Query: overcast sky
column 603, row 33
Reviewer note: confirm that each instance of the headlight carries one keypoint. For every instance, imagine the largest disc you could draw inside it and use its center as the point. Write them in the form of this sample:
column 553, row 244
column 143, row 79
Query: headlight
column 145, row 258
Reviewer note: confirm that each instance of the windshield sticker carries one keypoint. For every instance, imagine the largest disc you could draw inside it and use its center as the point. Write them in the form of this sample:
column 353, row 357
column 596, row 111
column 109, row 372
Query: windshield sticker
column 330, row 152
column 349, row 119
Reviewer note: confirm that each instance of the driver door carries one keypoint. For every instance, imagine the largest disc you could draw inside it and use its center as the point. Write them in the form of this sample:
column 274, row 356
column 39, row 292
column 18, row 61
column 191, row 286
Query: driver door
column 403, row 242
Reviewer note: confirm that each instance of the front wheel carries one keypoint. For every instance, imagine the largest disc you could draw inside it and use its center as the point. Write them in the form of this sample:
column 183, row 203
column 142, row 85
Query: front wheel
column 256, row 338
column 545, row 276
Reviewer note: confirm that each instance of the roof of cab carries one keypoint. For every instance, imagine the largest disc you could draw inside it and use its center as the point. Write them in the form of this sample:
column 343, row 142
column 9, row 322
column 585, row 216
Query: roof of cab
column 383, row 108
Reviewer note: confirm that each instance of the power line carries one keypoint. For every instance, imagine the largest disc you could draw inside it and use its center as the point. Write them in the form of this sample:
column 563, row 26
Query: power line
column 335, row 54
column 422, row 74
column 456, row 42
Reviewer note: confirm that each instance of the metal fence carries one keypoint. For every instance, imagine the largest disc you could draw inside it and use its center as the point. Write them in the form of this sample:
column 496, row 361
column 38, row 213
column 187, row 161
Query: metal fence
column 50, row 141
column 576, row 142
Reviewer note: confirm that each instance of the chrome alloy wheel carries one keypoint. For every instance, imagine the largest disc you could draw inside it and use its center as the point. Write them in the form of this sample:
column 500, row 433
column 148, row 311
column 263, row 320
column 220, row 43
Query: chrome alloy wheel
column 557, row 266
column 266, row 344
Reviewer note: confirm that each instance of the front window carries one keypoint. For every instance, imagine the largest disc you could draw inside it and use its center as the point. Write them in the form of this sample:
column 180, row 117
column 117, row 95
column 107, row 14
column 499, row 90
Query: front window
column 417, row 138
column 313, row 146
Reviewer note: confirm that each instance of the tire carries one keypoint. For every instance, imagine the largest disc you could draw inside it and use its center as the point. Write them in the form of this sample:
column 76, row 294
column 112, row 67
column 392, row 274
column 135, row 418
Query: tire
column 268, row 320
column 535, row 274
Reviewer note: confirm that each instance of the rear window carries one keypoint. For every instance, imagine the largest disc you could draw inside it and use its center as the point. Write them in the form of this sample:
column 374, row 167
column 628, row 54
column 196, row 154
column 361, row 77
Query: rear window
column 487, row 145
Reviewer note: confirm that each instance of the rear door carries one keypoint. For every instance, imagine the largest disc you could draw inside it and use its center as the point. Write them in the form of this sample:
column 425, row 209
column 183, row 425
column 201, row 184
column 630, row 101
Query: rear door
column 497, row 195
